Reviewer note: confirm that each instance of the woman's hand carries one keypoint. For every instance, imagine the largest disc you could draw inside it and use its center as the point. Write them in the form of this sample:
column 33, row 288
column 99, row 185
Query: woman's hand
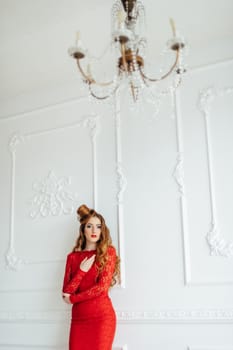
column 66, row 298
column 86, row 264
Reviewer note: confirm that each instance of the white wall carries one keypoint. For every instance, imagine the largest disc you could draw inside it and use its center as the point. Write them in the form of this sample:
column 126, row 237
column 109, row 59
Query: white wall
column 163, row 182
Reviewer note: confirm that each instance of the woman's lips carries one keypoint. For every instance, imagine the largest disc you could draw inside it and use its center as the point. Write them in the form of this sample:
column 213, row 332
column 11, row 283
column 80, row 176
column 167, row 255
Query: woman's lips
column 93, row 236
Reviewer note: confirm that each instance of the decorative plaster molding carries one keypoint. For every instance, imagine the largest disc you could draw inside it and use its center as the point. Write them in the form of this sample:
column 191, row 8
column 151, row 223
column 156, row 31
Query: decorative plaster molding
column 44, row 346
column 44, row 201
column 179, row 177
column 204, row 347
column 15, row 140
column 177, row 316
column 210, row 65
column 206, row 97
column 46, row 108
column 217, row 244
column 122, row 182
column 207, row 316
column 121, row 179
column 121, row 186
column 13, row 262
column 93, row 125
column 179, row 173
column 51, row 197
column 24, row 346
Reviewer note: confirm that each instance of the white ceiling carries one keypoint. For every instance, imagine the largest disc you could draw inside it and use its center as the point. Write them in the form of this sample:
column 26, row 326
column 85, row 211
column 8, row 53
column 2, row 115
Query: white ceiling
column 35, row 35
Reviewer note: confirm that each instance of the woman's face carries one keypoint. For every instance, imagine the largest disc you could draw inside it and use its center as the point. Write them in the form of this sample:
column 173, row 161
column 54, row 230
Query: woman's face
column 92, row 230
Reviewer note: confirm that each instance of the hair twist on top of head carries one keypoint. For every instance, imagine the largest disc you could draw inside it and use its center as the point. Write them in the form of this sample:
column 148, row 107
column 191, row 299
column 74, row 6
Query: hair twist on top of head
column 83, row 211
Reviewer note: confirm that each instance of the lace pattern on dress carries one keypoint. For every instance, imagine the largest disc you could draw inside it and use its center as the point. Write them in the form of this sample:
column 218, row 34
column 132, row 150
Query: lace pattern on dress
column 101, row 286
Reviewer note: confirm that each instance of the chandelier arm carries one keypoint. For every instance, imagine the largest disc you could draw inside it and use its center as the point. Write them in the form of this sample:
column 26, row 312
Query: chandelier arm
column 143, row 78
column 85, row 76
column 89, row 79
column 102, row 97
column 165, row 75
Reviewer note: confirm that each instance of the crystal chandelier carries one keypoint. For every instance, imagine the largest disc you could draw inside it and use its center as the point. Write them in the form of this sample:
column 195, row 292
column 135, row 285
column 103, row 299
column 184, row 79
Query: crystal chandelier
column 129, row 43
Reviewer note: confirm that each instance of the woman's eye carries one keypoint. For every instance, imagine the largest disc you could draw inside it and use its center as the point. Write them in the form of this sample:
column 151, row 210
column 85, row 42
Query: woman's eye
column 88, row 226
column 99, row 226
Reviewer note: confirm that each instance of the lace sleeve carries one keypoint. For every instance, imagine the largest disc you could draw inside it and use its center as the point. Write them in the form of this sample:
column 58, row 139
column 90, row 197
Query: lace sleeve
column 70, row 285
column 103, row 284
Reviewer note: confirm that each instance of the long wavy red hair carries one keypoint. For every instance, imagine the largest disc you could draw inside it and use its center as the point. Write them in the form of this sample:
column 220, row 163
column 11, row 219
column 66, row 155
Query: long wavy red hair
column 84, row 215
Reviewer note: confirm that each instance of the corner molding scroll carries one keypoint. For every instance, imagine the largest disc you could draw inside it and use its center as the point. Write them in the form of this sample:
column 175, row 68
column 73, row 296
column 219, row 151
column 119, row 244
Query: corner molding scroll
column 13, row 262
column 217, row 244
column 15, row 141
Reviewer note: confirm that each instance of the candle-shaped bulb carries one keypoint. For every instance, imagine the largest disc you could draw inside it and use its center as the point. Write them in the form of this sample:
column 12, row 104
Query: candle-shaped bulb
column 77, row 38
column 172, row 23
column 121, row 16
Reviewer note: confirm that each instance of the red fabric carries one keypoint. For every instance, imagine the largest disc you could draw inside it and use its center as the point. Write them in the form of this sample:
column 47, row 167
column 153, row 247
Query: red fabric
column 93, row 322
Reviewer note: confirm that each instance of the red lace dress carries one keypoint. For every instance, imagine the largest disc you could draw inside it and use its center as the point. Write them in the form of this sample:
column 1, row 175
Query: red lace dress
column 93, row 322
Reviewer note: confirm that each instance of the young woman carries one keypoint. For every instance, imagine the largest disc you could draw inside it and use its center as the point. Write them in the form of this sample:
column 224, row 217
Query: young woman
column 91, row 269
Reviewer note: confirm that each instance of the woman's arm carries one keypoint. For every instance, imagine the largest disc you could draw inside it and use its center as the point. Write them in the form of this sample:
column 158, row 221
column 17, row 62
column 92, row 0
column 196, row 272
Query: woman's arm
column 104, row 282
column 70, row 285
